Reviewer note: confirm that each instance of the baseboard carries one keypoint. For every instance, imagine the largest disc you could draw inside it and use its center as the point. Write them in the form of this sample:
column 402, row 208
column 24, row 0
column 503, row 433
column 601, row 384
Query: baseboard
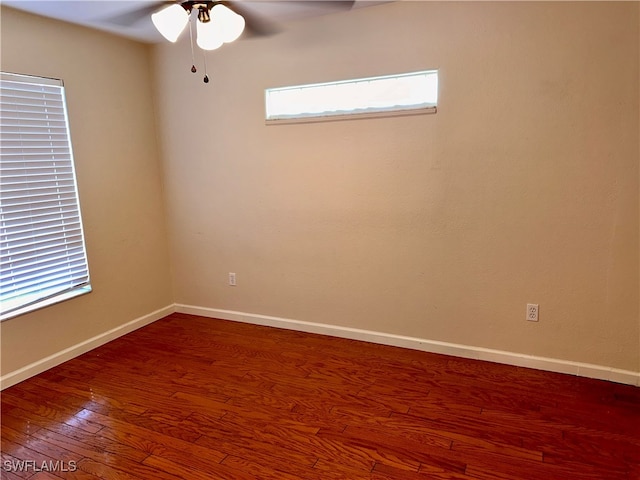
column 68, row 353
column 433, row 346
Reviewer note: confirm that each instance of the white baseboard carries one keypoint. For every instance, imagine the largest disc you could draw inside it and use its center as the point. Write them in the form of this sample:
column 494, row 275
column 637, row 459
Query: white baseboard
column 68, row 353
column 466, row 351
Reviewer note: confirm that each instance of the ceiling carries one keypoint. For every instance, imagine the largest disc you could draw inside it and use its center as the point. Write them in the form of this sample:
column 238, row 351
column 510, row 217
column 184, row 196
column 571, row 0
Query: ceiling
column 102, row 14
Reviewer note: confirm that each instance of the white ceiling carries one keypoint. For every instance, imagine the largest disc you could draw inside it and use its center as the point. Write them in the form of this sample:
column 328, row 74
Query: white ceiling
column 97, row 13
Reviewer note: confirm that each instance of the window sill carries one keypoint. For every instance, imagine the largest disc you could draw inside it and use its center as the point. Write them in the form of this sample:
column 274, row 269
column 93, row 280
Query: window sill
column 350, row 116
column 62, row 297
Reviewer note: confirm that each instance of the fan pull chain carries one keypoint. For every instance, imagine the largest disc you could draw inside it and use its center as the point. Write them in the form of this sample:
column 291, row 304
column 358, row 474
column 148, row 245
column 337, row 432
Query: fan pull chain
column 193, row 57
column 206, row 77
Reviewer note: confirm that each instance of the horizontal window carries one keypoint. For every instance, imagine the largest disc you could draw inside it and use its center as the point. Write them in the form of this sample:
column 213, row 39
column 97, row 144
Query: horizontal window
column 415, row 92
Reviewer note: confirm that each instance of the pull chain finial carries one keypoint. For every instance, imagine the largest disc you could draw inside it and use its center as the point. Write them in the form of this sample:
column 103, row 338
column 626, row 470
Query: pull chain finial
column 206, row 77
column 193, row 57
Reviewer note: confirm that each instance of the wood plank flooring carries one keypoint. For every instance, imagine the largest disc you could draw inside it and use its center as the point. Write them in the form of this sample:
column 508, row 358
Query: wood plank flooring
column 195, row 398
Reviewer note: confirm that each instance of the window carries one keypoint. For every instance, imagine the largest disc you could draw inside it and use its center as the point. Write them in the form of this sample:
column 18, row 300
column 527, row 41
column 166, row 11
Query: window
column 42, row 252
column 415, row 92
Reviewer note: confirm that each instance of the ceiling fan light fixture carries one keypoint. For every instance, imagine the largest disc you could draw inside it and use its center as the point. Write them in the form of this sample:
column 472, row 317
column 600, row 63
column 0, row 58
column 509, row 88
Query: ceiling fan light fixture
column 209, row 35
column 170, row 21
column 231, row 24
column 203, row 14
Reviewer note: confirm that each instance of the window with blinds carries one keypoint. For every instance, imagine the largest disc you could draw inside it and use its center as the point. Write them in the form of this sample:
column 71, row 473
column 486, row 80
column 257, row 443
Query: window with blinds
column 42, row 252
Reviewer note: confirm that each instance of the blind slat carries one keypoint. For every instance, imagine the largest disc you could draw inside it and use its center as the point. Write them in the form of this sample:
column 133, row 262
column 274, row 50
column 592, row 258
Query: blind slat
column 24, row 253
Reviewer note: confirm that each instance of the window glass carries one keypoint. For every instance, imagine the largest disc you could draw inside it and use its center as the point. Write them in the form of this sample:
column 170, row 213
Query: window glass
column 390, row 93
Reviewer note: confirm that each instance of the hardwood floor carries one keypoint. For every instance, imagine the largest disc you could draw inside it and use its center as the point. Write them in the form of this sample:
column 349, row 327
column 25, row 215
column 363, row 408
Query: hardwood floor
column 195, row 398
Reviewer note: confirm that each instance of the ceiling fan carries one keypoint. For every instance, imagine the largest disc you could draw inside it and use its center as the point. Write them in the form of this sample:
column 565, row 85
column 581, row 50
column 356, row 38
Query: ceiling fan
column 217, row 22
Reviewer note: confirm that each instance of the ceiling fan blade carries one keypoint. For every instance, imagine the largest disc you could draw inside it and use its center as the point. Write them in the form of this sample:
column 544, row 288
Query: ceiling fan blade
column 259, row 25
column 130, row 18
column 330, row 5
column 255, row 25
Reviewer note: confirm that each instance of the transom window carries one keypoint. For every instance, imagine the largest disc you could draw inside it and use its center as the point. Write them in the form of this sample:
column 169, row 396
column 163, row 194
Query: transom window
column 415, row 92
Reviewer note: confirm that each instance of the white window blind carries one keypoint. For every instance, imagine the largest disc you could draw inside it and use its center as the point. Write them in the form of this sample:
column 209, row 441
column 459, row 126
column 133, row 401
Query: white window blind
column 42, row 251
column 415, row 92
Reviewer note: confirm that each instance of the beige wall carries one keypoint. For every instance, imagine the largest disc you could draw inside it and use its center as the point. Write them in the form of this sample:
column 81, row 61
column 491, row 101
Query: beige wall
column 113, row 133
column 523, row 188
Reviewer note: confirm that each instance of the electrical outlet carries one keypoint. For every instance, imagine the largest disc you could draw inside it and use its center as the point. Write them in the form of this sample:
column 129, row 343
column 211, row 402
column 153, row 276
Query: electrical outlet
column 232, row 279
column 532, row 312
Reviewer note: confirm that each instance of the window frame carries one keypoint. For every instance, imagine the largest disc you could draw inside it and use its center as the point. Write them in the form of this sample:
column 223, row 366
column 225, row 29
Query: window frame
column 44, row 256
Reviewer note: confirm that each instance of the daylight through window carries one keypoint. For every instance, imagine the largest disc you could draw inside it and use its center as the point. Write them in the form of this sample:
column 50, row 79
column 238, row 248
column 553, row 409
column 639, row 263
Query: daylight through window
column 42, row 251
column 415, row 92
